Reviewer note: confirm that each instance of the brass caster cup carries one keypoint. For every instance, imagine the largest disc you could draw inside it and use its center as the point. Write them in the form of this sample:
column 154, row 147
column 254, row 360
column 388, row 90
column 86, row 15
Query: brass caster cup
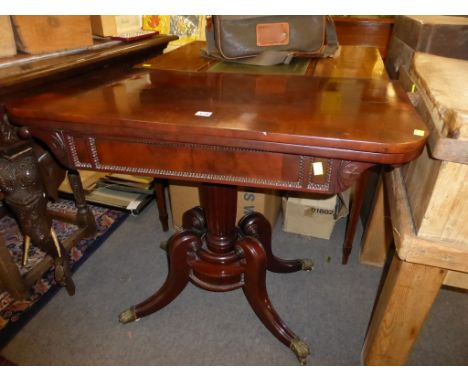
column 307, row 265
column 127, row 316
column 163, row 245
column 301, row 349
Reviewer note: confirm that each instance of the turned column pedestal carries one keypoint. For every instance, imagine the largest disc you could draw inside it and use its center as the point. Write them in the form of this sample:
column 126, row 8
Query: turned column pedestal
column 216, row 255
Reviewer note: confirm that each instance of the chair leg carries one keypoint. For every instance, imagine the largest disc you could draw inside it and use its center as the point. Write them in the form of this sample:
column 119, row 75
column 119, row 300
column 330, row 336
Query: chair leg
column 10, row 276
column 84, row 216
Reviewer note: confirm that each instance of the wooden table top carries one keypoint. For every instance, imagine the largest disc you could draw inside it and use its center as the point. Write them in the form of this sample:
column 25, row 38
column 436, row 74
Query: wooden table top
column 345, row 112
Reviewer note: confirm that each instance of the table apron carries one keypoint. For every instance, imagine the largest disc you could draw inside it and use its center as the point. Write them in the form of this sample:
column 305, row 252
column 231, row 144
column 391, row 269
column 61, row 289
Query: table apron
column 214, row 164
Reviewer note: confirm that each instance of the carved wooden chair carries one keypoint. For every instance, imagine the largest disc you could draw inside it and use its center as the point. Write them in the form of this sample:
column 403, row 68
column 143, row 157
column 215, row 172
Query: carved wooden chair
column 29, row 177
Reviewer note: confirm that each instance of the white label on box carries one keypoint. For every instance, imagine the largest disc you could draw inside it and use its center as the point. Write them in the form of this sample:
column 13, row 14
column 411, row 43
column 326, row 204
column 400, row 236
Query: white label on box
column 205, row 114
column 317, row 168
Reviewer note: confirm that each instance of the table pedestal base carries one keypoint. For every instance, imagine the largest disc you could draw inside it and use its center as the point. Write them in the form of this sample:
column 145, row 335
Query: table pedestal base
column 216, row 255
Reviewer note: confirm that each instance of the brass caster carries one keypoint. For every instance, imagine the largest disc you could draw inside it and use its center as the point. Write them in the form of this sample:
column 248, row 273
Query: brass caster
column 301, row 349
column 127, row 316
column 163, row 245
column 307, row 265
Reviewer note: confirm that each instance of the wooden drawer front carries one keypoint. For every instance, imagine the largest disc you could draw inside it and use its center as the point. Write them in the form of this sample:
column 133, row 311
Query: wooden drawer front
column 215, row 164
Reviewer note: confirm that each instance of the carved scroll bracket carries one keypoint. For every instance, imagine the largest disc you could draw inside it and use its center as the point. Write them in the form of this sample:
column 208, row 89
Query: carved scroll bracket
column 348, row 172
column 55, row 142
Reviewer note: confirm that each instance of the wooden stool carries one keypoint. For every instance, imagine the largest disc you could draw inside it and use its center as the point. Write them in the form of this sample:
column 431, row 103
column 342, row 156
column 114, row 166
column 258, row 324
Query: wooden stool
column 412, row 283
column 427, row 202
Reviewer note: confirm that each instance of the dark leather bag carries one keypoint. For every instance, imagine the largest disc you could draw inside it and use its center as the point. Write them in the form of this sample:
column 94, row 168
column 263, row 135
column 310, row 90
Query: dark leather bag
column 270, row 40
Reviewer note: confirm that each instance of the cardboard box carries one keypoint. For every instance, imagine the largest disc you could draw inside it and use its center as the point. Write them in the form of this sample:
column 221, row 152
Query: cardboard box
column 7, row 39
column 112, row 25
column 185, row 196
column 314, row 217
column 43, row 34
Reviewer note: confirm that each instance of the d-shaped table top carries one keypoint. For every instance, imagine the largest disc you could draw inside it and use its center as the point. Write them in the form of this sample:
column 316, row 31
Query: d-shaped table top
column 277, row 113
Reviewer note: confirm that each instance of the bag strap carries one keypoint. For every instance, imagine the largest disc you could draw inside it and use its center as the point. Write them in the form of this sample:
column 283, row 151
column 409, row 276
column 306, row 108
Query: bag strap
column 266, row 58
column 274, row 57
column 332, row 47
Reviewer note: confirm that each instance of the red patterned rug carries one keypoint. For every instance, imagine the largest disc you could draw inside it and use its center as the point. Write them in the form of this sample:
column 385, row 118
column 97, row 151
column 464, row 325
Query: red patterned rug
column 15, row 313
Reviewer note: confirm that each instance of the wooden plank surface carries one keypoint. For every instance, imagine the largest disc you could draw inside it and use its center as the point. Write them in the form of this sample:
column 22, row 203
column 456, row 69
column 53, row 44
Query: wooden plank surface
column 378, row 237
column 441, row 83
column 412, row 248
column 438, row 196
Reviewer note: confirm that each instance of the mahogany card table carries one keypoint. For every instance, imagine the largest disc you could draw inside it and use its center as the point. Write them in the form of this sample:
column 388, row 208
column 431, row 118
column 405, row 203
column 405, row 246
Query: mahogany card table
column 173, row 118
